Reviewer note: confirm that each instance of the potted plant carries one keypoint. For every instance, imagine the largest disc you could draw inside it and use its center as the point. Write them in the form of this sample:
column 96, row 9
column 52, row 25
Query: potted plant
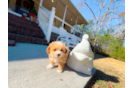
column 33, row 15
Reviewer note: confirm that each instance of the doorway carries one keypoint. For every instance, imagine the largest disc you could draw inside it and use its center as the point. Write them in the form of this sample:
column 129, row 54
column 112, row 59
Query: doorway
column 24, row 6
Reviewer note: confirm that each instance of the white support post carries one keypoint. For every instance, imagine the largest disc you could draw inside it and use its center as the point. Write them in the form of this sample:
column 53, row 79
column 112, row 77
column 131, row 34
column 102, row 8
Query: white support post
column 41, row 2
column 64, row 17
column 38, row 10
column 75, row 24
column 74, row 31
column 50, row 24
column 76, row 21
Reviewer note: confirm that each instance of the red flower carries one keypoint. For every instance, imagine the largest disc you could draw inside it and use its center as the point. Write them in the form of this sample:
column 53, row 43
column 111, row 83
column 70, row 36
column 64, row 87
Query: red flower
column 33, row 14
column 23, row 16
column 30, row 13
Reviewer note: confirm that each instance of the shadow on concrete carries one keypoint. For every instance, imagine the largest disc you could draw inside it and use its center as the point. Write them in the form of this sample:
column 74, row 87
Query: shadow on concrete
column 66, row 68
column 97, row 56
column 102, row 76
column 25, row 51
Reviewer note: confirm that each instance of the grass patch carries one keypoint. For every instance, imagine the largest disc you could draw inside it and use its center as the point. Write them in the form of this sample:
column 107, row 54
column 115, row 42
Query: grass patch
column 110, row 73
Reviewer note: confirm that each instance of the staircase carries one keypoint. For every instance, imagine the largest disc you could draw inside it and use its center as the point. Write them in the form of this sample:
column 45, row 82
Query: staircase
column 24, row 31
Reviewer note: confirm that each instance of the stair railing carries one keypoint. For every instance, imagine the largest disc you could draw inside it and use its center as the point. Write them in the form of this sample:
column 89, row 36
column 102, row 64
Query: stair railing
column 45, row 20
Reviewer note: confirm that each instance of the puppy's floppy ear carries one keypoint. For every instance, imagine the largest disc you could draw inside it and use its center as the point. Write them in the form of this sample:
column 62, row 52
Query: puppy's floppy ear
column 48, row 49
column 66, row 49
column 65, row 43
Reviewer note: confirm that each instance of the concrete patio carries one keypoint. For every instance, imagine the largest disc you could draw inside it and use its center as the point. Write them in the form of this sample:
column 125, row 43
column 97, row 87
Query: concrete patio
column 27, row 69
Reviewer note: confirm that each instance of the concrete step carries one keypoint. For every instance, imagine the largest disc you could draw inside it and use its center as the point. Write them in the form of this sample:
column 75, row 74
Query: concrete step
column 11, row 42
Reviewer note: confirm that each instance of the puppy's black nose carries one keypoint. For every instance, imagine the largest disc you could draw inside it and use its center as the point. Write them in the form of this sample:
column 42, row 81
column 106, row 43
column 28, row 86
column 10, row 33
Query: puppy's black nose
column 58, row 55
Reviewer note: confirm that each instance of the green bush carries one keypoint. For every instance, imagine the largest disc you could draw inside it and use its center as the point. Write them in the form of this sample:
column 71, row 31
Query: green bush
column 33, row 11
column 119, row 53
column 106, row 42
column 111, row 46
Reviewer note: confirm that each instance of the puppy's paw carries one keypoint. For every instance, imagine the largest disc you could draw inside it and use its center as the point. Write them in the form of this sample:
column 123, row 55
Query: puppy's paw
column 50, row 66
column 59, row 71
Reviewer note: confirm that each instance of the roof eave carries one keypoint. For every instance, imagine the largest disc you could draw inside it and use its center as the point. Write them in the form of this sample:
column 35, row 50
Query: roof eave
column 78, row 12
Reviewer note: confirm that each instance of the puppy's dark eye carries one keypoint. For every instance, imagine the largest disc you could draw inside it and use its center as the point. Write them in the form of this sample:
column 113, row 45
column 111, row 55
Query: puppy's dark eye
column 54, row 49
column 61, row 50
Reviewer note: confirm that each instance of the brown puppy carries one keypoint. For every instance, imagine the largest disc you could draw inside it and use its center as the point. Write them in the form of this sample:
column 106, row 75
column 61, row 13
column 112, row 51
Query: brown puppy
column 58, row 53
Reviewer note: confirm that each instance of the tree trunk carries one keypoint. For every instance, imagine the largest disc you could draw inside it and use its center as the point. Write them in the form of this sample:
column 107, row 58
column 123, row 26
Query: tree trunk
column 104, row 17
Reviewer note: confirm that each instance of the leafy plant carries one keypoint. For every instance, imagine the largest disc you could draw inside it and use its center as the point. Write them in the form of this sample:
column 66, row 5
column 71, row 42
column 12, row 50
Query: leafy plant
column 34, row 11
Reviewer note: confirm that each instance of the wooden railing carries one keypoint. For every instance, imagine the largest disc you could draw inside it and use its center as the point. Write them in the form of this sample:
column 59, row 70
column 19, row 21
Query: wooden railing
column 43, row 18
column 68, row 24
column 46, row 19
column 69, row 34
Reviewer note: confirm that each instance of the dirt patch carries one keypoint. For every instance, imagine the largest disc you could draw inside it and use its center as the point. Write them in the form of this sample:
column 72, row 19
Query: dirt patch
column 110, row 73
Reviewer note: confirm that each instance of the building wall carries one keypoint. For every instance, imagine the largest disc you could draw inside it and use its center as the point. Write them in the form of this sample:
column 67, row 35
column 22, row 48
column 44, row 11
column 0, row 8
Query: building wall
column 12, row 4
column 58, row 24
column 36, row 6
column 68, row 28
